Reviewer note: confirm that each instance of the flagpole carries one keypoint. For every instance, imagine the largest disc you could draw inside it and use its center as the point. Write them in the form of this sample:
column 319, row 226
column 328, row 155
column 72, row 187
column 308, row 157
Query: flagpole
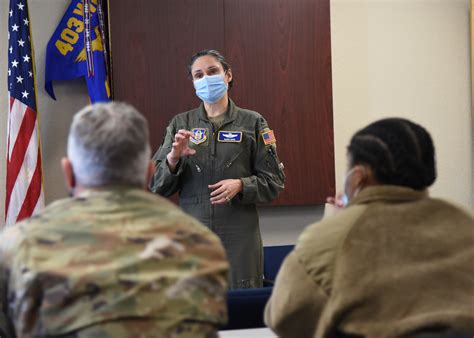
column 38, row 121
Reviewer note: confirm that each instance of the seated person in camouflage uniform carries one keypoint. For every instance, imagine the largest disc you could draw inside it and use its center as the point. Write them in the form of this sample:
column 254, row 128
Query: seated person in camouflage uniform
column 113, row 260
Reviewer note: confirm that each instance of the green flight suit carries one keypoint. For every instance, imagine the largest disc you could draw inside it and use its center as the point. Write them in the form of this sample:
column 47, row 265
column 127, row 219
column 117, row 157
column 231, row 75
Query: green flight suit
column 218, row 157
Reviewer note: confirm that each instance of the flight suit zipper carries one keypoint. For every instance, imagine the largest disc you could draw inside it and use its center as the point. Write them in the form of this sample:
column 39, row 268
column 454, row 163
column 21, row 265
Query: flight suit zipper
column 214, row 167
column 213, row 170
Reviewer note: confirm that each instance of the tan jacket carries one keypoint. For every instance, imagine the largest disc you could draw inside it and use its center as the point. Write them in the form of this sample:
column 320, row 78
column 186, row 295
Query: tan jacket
column 392, row 264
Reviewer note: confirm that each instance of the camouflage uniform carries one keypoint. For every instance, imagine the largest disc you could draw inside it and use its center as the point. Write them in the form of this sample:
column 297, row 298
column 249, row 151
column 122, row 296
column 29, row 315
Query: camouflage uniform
column 115, row 262
column 6, row 331
column 247, row 157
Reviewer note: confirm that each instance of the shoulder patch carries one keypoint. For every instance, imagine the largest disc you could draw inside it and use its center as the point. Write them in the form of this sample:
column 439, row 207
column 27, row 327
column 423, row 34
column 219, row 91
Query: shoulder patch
column 268, row 137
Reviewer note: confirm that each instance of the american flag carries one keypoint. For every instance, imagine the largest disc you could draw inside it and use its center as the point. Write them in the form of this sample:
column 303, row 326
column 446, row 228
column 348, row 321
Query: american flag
column 24, row 185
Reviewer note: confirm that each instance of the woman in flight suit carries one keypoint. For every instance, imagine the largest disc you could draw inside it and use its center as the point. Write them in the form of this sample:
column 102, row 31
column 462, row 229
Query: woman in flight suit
column 222, row 160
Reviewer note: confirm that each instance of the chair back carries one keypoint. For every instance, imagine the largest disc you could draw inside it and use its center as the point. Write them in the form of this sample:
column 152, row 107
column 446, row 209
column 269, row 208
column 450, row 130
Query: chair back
column 273, row 257
column 246, row 306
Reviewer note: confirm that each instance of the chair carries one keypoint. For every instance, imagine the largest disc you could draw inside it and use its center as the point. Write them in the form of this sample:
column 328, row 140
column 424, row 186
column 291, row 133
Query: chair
column 273, row 257
column 246, row 306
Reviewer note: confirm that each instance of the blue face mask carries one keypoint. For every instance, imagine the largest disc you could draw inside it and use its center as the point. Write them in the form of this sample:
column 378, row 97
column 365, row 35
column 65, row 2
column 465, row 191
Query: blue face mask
column 345, row 200
column 211, row 89
column 345, row 197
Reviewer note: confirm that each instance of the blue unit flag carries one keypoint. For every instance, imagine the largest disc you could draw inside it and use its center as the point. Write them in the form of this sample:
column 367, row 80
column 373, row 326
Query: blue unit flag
column 76, row 49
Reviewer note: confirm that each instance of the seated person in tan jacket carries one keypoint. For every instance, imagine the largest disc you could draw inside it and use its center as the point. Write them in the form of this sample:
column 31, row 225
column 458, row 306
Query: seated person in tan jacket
column 393, row 262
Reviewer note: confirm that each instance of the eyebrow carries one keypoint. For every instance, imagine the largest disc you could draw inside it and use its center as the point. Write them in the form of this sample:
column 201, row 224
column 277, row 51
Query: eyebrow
column 197, row 71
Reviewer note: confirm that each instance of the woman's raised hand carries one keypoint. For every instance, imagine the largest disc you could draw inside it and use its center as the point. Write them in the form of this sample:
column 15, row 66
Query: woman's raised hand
column 179, row 148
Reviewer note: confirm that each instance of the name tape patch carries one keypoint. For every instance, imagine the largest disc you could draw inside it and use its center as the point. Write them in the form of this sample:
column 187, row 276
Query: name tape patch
column 229, row 136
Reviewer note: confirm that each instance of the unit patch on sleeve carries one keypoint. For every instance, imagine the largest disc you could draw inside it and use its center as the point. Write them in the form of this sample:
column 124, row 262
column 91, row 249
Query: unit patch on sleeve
column 229, row 136
column 199, row 135
column 268, row 137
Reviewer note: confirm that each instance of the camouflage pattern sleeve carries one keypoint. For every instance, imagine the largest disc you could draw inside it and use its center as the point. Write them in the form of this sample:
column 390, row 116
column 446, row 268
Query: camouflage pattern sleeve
column 6, row 330
column 115, row 255
column 9, row 239
column 269, row 178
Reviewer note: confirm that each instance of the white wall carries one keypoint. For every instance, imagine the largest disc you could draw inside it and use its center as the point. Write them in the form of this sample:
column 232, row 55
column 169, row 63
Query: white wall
column 399, row 57
column 408, row 58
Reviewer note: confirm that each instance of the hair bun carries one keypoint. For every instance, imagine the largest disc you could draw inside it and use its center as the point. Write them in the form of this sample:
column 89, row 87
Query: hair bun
column 399, row 151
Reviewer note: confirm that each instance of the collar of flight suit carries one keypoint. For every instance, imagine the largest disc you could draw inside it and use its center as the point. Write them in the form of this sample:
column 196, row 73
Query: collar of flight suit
column 231, row 113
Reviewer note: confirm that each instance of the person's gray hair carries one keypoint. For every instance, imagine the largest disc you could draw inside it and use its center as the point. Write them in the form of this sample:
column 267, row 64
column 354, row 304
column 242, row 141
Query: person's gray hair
column 108, row 145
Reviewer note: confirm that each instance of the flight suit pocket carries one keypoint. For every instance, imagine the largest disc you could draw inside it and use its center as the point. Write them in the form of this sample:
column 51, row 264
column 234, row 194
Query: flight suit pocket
column 196, row 167
column 238, row 166
column 232, row 161
column 273, row 162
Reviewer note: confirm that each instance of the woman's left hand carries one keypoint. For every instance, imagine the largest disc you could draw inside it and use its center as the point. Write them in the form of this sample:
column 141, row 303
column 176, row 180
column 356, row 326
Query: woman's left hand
column 225, row 190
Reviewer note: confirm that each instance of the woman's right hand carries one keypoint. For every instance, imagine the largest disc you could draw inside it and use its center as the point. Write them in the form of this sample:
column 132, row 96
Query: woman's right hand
column 179, row 148
column 336, row 201
column 333, row 205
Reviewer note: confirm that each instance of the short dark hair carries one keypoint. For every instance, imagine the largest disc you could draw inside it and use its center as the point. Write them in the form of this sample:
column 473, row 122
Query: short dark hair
column 399, row 152
column 214, row 53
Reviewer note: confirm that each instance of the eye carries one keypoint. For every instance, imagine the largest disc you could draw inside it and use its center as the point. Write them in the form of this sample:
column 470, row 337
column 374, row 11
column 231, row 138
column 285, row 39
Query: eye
column 197, row 76
column 212, row 70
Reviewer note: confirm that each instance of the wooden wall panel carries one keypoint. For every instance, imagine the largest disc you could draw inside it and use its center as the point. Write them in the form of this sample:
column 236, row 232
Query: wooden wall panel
column 281, row 56
column 152, row 42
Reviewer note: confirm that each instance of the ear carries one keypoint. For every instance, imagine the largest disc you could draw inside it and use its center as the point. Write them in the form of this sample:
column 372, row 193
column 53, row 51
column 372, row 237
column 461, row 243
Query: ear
column 361, row 175
column 68, row 172
column 228, row 75
column 150, row 173
column 369, row 177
